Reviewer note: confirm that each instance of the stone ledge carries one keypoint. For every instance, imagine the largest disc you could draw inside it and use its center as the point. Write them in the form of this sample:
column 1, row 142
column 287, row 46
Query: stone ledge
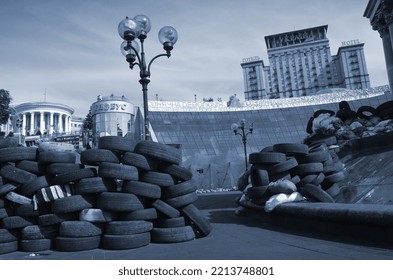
column 364, row 224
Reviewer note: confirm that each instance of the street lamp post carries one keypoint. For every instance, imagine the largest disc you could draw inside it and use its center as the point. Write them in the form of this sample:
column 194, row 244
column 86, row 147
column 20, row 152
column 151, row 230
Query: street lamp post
column 137, row 28
column 243, row 133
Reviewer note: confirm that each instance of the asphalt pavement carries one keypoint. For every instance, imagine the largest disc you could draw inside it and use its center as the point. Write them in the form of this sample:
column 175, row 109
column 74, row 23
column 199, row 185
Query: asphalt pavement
column 248, row 237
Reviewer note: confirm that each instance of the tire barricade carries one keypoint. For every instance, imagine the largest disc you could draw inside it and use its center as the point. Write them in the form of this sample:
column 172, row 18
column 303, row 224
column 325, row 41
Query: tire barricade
column 120, row 196
column 289, row 172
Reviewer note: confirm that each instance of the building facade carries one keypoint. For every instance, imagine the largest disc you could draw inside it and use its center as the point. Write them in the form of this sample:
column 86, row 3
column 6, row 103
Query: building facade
column 380, row 14
column 113, row 115
column 44, row 118
column 301, row 64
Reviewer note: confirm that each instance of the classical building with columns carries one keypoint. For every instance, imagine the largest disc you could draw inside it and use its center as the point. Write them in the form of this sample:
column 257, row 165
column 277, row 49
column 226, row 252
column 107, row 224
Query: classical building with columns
column 42, row 118
column 380, row 14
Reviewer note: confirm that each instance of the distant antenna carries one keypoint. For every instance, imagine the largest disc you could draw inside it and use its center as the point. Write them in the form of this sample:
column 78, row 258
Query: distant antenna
column 45, row 95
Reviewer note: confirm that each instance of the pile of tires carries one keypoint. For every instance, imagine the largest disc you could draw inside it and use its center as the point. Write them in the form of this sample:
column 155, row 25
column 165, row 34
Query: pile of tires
column 122, row 195
column 314, row 171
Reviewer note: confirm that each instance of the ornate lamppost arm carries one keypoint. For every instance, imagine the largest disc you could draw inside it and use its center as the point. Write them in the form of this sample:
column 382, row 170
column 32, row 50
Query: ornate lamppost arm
column 138, row 27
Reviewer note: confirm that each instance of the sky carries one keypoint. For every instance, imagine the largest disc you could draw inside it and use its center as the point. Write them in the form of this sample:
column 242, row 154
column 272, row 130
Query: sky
column 69, row 51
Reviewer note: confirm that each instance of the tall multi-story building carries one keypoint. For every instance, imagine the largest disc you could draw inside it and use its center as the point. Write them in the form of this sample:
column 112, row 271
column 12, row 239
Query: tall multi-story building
column 301, row 64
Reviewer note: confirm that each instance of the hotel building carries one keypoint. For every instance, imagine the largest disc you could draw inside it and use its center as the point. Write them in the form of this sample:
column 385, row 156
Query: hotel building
column 301, row 64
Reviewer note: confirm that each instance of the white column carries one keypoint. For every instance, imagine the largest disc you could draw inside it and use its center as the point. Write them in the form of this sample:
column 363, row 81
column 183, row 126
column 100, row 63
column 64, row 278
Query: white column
column 51, row 125
column 68, row 124
column 42, row 126
column 32, row 123
column 61, row 123
column 24, row 124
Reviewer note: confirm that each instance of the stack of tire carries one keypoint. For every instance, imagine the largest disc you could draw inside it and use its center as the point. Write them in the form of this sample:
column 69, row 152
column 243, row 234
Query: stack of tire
column 314, row 169
column 122, row 195
column 384, row 111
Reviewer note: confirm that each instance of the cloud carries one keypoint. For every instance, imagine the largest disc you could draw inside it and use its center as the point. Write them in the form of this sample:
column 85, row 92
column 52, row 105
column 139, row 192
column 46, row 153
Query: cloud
column 71, row 48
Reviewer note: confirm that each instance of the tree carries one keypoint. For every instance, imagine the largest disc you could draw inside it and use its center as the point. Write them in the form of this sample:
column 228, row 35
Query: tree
column 5, row 100
column 88, row 122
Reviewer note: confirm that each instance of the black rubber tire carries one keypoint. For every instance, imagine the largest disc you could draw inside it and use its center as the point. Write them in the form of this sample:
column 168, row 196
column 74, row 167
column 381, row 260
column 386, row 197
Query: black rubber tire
column 281, row 167
column 159, row 151
column 28, row 210
column 295, row 179
column 74, row 176
column 263, row 158
column 165, row 209
column 335, row 177
column 148, row 214
column 118, row 171
column 243, row 180
column 309, row 125
column 200, row 223
column 73, row 244
column 362, row 109
column 158, row 178
column 94, row 185
column 17, row 198
column 78, row 229
column 17, row 222
column 39, row 232
column 179, row 172
column 29, row 166
column 386, row 114
column 4, row 212
column 15, row 174
column 328, row 140
column 118, row 202
column 32, row 186
column 8, row 247
column 333, row 190
column 127, row 227
column 36, row 245
column 319, row 156
column 6, row 188
column 72, row 203
column 318, row 147
column 49, row 194
column 291, row 149
column 8, row 142
column 48, row 157
column 384, row 106
column 14, row 154
column 180, row 189
column 8, row 235
column 183, row 200
column 96, row 156
column 56, row 219
column 172, row 235
column 95, row 215
column 124, row 242
column 280, row 176
column 142, row 189
column 319, row 179
column 259, row 176
column 323, row 111
column 171, row 222
column 139, row 161
column 117, row 143
column 315, row 194
column 60, row 168
column 307, row 168
column 258, row 192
